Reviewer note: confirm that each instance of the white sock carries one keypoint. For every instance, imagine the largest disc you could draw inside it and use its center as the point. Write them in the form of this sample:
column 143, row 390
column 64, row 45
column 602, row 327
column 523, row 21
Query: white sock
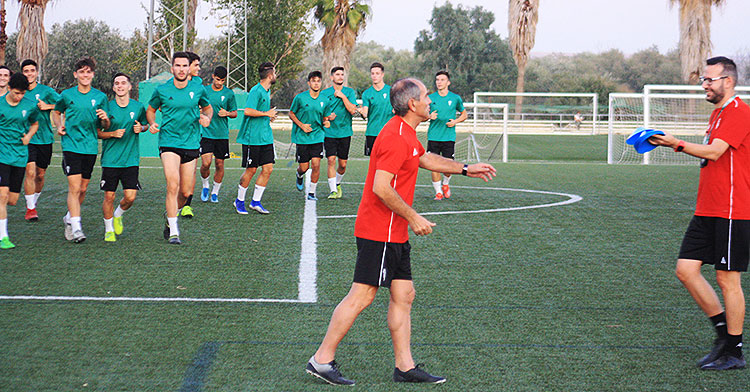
column 332, row 184
column 339, row 177
column 446, row 180
column 241, row 193
column 3, row 228
column 30, row 202
column 109, row 225
column 436, row 185
column 217, row 186
column 312, row 187
column 173, row 230
column 205, row 182
column 119, row 211
column 75, row 221
column 258, row 193
column 36, row 197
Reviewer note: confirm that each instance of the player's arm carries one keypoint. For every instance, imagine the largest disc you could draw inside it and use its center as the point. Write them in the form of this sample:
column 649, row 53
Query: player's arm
column 151, row 118
column 117, row 133
column 382, row 188
column 436, row 163
column 103, row 119
column 26, row 139
column 350, row 107
column 226, row 113
column 461, row 118
column 58, row 121
column 363, row 111
column 307, row 128
column 711, row 151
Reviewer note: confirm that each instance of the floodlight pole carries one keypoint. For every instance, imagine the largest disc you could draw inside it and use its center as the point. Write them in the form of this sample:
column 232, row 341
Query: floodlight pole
column 150, row 40
column 184, row 24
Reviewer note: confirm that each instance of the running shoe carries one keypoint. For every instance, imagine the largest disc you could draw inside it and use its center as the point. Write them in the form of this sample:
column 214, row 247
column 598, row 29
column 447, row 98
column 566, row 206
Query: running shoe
column 258, row 207
column 110, row 236
column 438, row 196
column 31, row 215
column 416, row 375
column 239, row 206
column 204, row 194
column 117, row 222
column 6, row 244
column 447, row 191
column 214, row 198
column 187, row 212
column 78, row 236
column 328, row 372
column 311, row 196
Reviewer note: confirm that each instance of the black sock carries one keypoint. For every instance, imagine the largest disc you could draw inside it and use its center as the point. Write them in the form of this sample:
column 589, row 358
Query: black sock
column 189, row 199
column 734, row 345
column 720, row 324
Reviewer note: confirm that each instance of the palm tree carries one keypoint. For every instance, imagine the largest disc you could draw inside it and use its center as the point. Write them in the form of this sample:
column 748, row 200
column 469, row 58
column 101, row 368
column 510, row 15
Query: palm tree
column 342, row 20
column 3, row 36
column 32, row 39
column 522, row 18
column 695, row 36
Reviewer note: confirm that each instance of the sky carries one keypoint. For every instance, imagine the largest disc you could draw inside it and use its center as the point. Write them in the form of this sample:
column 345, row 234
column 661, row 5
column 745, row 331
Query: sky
column 565, row 26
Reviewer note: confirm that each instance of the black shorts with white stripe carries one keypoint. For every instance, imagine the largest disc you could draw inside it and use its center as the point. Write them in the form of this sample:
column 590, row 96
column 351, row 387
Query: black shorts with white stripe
column 378, row 263
column 724, row 243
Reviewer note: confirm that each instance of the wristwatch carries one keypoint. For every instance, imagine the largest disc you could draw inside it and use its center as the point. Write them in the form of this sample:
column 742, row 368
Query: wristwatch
column 680, row 146
column 466, row 169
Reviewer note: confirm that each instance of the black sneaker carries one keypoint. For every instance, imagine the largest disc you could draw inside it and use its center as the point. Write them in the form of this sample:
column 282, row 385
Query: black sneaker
column 725, row 362
column 416, row 375
column 715, row 352
column 328, row 372
column 166, row 227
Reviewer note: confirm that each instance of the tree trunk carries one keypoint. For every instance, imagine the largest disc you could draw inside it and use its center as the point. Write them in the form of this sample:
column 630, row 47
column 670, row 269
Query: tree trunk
column 3, row 36
column 519, row 89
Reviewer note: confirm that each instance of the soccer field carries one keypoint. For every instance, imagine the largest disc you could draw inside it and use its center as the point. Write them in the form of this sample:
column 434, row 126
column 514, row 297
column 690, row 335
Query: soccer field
column 542, row 291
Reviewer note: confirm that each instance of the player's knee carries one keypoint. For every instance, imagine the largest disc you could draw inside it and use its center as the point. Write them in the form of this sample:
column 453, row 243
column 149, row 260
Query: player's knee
column 729, row 281
column 342, row 165
column 128, row 199
column 686, row 271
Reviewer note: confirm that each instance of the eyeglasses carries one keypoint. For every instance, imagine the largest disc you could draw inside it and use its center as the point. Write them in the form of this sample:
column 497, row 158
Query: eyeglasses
column 704, row 79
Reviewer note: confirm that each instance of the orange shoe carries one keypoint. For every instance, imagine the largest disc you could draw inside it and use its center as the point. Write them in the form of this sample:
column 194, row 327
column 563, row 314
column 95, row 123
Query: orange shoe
column 439, row 196
column 31, row 215
column 447, row 191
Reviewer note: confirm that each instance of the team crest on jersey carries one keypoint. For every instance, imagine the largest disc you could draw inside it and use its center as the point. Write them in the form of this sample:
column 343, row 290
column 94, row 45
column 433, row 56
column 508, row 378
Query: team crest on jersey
column 450, row 102
column 132, row 115
column 93, row 102
column 384, row 94
column 37, row 96
column 191, row 95
column 322, row 104
column 23, row 113
column 222, row 98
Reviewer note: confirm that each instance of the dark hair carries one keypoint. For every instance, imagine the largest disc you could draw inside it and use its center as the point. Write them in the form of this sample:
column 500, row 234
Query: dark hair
column 4, row 67
column 86, row 62
column 29, row 62
column 192, row 56
column 19, row 82
column 314, row 74
column 334, row 69
column 121, row 74
column 265, row 69
column 730, row 68
column 181, row 55
column 220, row 72
column 377, row 65
column 401, row 92
column 443, row 73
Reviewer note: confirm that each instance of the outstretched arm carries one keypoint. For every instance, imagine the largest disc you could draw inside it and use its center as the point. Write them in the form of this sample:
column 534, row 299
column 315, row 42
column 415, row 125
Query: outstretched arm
column 436, row 163
column 708, row 151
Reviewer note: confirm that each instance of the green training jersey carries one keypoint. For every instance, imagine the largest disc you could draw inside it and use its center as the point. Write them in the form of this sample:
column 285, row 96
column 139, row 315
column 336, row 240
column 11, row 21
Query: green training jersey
column 180, row 109
column 256, row 131
column 308, row 110
column 341, row 126
column 222, row 99
column 81, row 121
column 379, row 109
column 49, row 96
column 125, row 151
column 446, row 108
column 14, row 123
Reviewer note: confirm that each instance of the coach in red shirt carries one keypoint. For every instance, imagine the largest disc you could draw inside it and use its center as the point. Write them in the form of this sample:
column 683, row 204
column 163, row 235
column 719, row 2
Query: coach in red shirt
column 719, row 233
column 383, row 219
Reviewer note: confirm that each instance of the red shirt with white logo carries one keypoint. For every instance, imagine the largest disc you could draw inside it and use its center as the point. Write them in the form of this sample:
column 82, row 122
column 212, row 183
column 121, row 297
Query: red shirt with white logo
column 724, row 187
column 397, row 150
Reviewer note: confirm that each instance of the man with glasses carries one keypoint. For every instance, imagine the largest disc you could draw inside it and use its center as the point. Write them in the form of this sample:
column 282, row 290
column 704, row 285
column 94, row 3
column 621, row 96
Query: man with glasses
column 719, row 233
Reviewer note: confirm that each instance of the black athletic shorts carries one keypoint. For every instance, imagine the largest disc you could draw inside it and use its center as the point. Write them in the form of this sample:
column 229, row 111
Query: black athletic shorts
column 378, row 263
column 337, row 146
column 445, row 149
column 41, row 154
column 218, row 147
column 111, row 176
column 306, row 152
column 254, row 156
column 186, row 154
column 74, row 163
column 369, row 143
column 722, row 242
column 12, row 177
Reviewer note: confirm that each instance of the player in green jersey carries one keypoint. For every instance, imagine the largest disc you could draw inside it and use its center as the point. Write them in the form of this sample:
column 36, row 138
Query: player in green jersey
column 341, row 105
column 376, row 105
column 4, row 79
column 441, row 135
column 120, row 155
column 195, row 69
column 18, row 123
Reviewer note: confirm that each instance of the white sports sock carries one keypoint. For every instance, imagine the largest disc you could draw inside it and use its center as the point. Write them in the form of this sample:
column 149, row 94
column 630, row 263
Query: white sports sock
column 36, row 197
column 173, row 230
column 446, row 180
column 205, row 182
column 312, row 187
column 217, row 186
column 119, row 211
column 339, row 177
column 109, row 225
column 75, row 221
column 3, row 228
column 332, row 184
column 30, row 202
column 436, row 185
column 241, row 193
column 258, row 193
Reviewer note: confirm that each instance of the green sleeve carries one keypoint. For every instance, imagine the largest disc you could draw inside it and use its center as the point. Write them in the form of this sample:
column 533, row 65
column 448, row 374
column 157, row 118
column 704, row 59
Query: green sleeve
column 203, row 100
column 295, row 105
column 142, row 115
column 51, row 97
column 459, row 104
column 232, row 103
column 155, row 101
column 61, row 105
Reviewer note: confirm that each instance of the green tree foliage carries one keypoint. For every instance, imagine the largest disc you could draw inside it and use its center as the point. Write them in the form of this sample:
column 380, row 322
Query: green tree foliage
column 461, row 41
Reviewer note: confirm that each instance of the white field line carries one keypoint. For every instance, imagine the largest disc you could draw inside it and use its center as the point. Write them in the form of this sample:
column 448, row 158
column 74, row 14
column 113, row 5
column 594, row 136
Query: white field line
column 308, row 259
column 137, row 299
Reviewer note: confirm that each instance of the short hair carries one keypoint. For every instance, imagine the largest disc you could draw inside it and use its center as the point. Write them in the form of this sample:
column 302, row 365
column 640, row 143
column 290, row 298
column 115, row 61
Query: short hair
column 314, row 74
column 220, row 72
column 180, row 55
column 5, row 67
column 730, row 68
column 401, row 92
column 334, row 69
column 443, row 72
column 192, row 56
column 265, row 69
column 29, row 62
column 86, row 62
column 19, row 82
column 117, row 75
column 377, row 65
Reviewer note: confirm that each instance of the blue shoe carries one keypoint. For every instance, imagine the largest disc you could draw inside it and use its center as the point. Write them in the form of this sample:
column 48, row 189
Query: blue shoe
column 214, row 198
column 204, row 194
column 239, row 205
column 258, row 207
column 311, row 196
column 300, row 182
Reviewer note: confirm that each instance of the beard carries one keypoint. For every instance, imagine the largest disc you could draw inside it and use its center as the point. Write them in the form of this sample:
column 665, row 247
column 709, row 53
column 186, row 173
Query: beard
column 716, row 98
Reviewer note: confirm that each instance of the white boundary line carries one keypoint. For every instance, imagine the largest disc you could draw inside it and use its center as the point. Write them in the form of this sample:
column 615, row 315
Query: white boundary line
column 138, row 299
column 308, row 259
